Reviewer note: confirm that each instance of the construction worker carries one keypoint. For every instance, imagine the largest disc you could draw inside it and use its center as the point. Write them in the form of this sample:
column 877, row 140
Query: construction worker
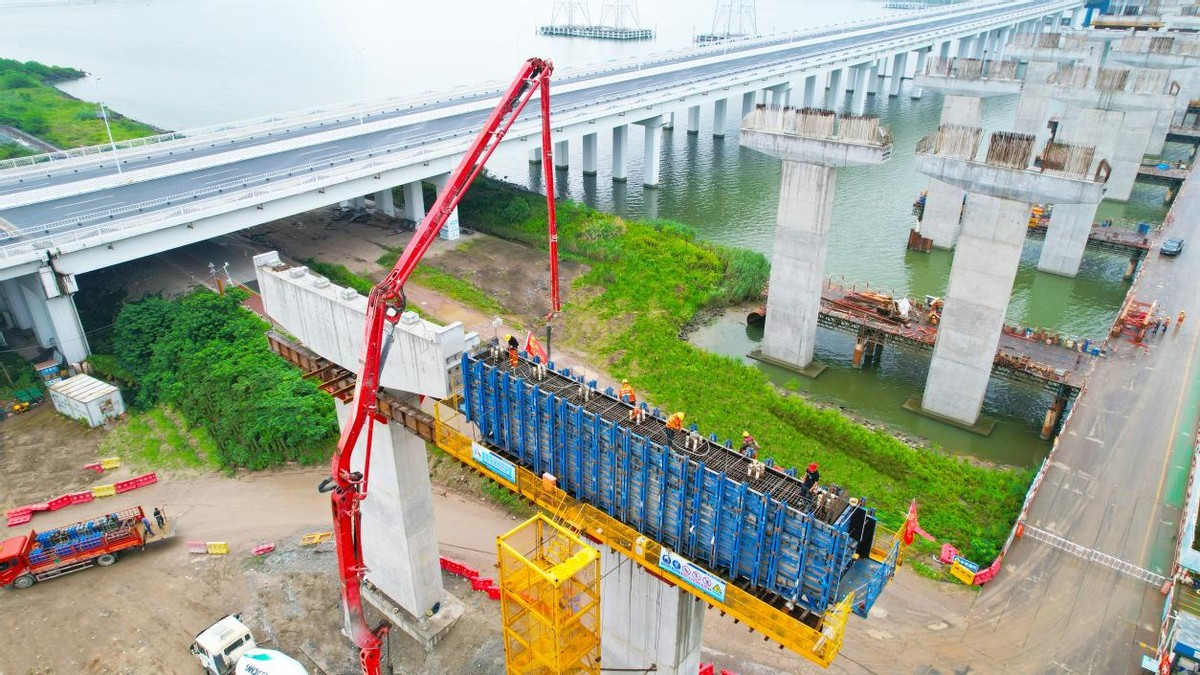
column 513, row 345
column 159, row 517
column 749, row 446
column 811, row 478
column 626, row 393
column 674, row 424
column 1179, row 320
column 1166, row 324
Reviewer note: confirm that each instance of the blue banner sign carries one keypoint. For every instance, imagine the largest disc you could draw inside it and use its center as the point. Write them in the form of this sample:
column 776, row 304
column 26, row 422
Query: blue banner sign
column 691, row 573
column 494, row 463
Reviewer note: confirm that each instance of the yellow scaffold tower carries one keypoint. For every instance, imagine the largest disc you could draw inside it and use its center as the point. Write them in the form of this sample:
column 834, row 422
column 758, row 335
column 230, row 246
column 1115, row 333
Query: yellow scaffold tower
column 549, row 600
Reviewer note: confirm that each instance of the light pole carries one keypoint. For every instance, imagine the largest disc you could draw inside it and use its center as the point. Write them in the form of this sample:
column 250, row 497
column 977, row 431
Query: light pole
column 104, row 114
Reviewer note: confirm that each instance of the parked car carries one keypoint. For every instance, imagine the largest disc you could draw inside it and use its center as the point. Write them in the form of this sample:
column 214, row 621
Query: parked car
column 1172, row 247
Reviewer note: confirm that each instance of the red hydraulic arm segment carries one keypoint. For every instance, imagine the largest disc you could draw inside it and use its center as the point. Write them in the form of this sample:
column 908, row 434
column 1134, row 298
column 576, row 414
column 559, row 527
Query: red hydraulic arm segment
column 385, row 305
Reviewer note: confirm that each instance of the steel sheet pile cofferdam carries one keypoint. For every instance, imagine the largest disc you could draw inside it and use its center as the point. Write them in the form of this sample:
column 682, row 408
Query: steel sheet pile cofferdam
column 799, row 551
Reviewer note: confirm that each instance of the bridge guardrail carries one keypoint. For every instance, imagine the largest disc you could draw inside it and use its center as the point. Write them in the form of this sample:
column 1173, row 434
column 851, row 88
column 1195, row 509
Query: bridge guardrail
column 333, row 113
column 347, row 157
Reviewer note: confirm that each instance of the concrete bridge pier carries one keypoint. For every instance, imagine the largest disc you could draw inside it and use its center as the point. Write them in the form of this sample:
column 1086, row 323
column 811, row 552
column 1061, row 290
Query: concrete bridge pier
column 812, row 144
column 862, row 76
column 944, row 202
column 720, row 107
column 384, row 203
column 590, row 161
column 653, row 149
column 645, row 622
column 778, row 96
column 836, row 92
column 562, row 155
column 620, row 167
column 44, row 303
column 693, row 120
column 450, row 230
column 922, row 56
column 899, row 67
column 414, row 201
column 749, row 100
column 1002, row 187
column 810, row 91
column 874, row 72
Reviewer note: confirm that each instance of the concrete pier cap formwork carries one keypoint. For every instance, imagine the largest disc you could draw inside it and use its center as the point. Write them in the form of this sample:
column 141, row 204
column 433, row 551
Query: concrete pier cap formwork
column 1176, row 52
column 400, row 547
column 812, row 143
column 1055, row 47
column 964, row 83
column 1002, row 187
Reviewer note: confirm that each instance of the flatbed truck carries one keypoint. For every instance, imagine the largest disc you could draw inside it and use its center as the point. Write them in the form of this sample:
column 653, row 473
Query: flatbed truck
column 44, row 555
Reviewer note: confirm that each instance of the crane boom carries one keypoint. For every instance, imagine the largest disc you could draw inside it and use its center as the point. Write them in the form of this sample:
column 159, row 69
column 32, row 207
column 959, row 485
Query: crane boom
column 385, row 304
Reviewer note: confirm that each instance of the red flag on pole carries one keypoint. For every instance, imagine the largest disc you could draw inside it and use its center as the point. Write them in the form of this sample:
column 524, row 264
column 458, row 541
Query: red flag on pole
column 535, row 348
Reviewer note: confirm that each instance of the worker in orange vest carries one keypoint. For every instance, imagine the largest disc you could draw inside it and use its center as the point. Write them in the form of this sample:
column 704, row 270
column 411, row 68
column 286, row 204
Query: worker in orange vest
column 626, row 393
column 1179, row 319
column 674, row 424
column 513, row 345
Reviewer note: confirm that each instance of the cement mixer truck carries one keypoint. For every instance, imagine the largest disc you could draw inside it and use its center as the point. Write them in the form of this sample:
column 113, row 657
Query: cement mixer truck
column 227, row 648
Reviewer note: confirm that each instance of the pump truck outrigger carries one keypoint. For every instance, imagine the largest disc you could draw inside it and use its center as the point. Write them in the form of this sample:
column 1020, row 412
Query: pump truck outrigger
column 386, row 303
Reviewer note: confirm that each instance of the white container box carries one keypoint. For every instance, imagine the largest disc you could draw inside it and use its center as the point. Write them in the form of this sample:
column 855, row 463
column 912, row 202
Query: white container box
column 83, row 397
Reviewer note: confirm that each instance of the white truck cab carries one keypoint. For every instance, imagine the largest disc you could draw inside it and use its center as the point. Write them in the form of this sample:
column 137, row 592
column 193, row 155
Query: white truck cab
column 221, row 645
column 227, row 648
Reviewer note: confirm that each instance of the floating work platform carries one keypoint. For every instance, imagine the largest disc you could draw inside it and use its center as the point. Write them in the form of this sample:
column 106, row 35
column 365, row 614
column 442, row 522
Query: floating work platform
column 1155, row 174
column 598, row 32
column 694, row 496
column 1022, row 355
column 1184, row 134
column 1111, row 239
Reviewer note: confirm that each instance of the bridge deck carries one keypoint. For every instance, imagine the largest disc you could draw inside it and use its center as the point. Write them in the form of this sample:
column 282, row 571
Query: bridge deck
column 1017, row 357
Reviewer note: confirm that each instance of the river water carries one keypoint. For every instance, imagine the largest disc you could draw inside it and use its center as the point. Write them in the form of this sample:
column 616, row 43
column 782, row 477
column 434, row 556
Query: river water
column 186, row 63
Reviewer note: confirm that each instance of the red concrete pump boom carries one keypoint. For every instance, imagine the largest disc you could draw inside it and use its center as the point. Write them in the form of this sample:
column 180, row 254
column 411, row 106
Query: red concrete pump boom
column 385, row 304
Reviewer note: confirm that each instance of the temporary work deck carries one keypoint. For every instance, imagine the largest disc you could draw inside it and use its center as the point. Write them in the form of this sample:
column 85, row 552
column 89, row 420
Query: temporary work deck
column 1150, row 173
column 1111, row 239
column 1181, row 134
column 1017, row 358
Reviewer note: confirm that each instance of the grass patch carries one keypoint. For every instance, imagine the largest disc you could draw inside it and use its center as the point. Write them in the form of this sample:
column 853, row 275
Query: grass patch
column 15, row 374
column 11, row 150
column 446, row 470
column 159, row 439
column 29, row 102
column 447, row 284
column 649, row 279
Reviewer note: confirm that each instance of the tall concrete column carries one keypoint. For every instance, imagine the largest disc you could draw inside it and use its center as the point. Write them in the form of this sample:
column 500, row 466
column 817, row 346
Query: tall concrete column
column 400, row 546
column 535, row 156
column 668, row 121
column 1066, row 237
column 1133, row 136
column 414, row 201
column 836, row 92
column 14, row 300
column 963, row 50
column 562, row 155
column 589, row 154
column 977, row 295
column 810, row 91
column 620, row 167
column 873, row 75
column 858, row 102
column 922, row 54
column 944, row 49
column 68, row 330
column 806, row 194
column 646, row 622
column 653, row 150
column 360, row 203
column 693, row 120
column 944, row 202
column 35, row 300
column 720, row 106
column 748, row 102
column 384, row 202
column 979, row 45
column 450, row 230
column 899, row 68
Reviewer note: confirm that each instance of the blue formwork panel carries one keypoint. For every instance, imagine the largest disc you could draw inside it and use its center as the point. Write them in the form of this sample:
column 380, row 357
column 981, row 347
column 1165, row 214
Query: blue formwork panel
column 706, row 515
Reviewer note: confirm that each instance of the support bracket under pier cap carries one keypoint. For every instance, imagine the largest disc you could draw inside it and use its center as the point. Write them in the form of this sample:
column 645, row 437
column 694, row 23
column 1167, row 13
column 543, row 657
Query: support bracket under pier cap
column 329, row 320
column 969, row 77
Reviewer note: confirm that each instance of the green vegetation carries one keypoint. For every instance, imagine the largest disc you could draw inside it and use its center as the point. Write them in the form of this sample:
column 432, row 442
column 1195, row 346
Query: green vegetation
column 649, row 279
column 205, row 356
column 10, row 150
column 29, row 102
column 340, row 275
column 449, row 471
column 160, row 439
column 15, row 374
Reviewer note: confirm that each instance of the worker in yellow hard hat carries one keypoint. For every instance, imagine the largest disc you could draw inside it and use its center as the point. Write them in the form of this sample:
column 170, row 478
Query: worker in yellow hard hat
column 674, row 424
column 749, row 446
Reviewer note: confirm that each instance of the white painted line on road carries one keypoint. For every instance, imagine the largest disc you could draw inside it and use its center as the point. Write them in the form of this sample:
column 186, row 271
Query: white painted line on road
column 309, row 152
column 214, row 173
column 228, row 179
column 94, row 199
